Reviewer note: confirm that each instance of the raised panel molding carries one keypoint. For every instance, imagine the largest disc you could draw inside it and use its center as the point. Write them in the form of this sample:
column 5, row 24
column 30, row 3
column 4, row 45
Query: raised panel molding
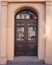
column 4, row 3
column 48, row 3
column 23, row 0
column 26, row 0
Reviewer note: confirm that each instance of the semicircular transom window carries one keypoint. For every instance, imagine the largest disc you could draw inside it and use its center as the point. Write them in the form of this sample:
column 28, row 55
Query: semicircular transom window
column 26, row 14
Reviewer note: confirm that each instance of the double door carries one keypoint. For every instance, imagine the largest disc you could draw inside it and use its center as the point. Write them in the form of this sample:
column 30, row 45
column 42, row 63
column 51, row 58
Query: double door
column 26, row 37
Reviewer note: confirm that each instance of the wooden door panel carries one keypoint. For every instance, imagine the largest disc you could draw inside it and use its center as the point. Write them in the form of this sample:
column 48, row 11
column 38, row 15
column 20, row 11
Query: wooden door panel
column 23, row 45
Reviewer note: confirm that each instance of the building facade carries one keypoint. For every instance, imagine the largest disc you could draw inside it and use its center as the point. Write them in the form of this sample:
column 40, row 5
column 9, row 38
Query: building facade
column 19, row 33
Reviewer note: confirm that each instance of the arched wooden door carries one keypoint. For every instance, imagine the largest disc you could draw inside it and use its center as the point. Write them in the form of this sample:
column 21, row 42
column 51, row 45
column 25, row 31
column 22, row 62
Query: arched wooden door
column 26, row 33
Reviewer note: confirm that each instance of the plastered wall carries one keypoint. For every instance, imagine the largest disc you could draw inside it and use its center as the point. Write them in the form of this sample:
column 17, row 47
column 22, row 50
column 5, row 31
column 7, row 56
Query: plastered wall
column 8, row 10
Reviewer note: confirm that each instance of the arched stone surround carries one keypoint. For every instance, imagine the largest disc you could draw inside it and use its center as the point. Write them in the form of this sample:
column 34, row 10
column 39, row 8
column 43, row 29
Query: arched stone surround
column 13, row 8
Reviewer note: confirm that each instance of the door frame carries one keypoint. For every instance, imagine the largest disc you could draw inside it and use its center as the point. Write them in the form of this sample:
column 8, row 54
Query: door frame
column 17, row 20
column 12, row 9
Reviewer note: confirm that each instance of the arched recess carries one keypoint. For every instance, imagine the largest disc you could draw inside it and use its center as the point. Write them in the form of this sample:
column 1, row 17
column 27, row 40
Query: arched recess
column 14, row 9
column 35, row 10
column 26, row 42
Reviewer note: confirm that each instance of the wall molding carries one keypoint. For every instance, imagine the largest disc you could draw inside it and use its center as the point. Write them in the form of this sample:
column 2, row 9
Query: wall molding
column 22, row 0
column 4, row 3
column 48, row 3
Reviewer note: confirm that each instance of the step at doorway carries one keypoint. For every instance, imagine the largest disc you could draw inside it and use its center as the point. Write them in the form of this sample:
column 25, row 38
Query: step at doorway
column 26, row 60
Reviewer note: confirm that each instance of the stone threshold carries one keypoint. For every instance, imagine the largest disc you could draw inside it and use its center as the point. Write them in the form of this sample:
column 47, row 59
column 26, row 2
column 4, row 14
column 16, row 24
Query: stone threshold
column 26, row 59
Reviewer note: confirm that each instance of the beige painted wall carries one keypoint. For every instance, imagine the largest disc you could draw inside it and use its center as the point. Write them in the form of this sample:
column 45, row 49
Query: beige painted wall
column 7, row 26
column 0, row 24
column 3, row 32
column 48, row 58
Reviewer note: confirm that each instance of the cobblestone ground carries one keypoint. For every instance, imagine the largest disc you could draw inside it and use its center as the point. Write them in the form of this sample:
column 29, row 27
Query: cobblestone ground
column 28, row 64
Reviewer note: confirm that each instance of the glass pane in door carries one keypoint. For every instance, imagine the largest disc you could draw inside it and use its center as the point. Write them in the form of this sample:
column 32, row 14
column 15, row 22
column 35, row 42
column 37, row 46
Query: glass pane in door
column 31, row 32
column 20, row 32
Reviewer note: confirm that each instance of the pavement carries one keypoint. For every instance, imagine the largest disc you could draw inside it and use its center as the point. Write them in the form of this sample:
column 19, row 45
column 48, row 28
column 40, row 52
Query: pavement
column 25, row 64
column 26, row 61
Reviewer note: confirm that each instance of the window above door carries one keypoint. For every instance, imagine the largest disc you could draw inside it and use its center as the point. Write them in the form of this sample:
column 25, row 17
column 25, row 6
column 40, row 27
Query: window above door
column 26, row 14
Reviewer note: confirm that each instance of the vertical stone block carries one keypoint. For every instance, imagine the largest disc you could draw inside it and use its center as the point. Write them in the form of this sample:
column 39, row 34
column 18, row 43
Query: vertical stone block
column 48, row 58
column 3, row 33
